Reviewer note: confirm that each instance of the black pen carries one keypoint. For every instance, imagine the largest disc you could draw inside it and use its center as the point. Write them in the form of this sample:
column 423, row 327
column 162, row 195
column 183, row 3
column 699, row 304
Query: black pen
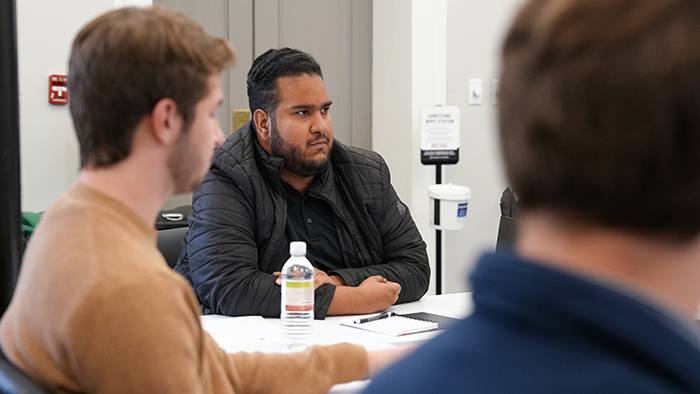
column 382, row 315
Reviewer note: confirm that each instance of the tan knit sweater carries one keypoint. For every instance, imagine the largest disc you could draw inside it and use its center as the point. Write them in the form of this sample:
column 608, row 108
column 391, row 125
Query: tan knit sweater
column 97, row 310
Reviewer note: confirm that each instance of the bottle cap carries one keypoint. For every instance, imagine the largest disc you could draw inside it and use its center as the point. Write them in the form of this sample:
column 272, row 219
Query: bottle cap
column 297, row 248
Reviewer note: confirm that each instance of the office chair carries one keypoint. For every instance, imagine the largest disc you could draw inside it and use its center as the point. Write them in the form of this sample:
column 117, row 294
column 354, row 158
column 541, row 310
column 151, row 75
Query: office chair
column 170, row 243
column 14, row 381
column 510, row 220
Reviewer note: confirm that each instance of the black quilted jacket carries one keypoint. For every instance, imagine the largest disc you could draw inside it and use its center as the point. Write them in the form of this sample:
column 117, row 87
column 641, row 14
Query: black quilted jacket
column 238, row 221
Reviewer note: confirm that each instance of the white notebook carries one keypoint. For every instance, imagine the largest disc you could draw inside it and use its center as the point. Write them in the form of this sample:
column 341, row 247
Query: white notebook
column 395, row 325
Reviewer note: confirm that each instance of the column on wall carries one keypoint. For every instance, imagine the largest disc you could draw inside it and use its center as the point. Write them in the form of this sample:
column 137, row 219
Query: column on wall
column 10, row 222
column 409, row 73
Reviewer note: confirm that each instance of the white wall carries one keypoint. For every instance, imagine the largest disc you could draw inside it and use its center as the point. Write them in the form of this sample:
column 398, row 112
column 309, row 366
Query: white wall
column 406, row 77
column 49, row 149
column 475, row 34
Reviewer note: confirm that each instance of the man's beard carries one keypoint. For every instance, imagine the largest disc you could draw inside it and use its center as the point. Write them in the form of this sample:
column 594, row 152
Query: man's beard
column 293, row 157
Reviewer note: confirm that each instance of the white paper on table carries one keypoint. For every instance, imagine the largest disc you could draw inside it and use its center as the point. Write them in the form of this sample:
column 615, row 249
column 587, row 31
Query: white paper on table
column 349, row 388
column 255, row 334
column 244, row 333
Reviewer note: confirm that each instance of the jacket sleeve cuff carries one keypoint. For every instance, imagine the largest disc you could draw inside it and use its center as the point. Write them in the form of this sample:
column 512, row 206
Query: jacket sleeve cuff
column 347, row 275
column 322, row 300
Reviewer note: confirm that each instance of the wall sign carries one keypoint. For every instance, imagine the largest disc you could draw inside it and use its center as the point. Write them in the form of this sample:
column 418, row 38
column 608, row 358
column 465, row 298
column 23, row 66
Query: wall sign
column 439, row 135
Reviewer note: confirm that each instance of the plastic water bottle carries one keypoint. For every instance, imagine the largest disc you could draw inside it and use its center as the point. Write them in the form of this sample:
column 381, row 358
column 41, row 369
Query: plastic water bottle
column 297, row 298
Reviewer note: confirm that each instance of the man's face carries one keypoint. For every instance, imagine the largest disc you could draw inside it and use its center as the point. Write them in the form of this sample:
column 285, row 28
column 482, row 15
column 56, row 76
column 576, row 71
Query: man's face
column 302, row 131
column 194, row 149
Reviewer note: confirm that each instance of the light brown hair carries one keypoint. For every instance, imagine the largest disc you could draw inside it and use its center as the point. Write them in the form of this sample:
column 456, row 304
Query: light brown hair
column 600, row 112
column 124, row 62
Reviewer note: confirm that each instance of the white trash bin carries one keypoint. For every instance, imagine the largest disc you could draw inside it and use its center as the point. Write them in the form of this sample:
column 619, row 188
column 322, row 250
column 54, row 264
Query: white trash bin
column 448, row 206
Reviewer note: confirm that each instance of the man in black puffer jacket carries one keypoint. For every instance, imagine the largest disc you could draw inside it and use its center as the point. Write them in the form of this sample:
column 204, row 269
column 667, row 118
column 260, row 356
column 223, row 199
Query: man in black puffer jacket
column 282, row 178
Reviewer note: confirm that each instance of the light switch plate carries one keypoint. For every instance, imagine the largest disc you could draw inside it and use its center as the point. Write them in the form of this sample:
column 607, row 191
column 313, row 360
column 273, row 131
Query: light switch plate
column 476, row 92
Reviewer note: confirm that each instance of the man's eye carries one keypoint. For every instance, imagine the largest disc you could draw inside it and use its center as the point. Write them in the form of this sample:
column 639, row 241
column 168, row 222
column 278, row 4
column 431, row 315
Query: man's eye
column 302, row 112
column 325, row 110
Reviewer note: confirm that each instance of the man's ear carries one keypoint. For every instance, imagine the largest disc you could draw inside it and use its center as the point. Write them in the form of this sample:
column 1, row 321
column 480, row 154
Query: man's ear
column 262, row 124
column 166, row 121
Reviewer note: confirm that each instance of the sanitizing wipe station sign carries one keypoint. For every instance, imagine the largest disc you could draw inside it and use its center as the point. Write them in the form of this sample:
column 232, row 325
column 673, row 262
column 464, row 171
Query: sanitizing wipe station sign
column 439, row 135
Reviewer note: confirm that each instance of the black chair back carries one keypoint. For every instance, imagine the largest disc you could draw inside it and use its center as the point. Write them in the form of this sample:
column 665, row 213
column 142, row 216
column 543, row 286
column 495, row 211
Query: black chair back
column 510, row 220
column 170, row 243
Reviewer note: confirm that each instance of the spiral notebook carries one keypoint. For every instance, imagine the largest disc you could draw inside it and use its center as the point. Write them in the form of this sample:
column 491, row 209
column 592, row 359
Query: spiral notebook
column 402, row 324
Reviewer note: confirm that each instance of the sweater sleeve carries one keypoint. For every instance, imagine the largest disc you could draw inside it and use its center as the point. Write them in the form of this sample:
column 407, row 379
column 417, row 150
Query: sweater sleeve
column 140, row 335
column 315, row 370
column 145, row 337
column 405, row 259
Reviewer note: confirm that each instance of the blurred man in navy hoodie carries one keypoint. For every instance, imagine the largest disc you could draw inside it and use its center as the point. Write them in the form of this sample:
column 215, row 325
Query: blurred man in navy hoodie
column 600, row 133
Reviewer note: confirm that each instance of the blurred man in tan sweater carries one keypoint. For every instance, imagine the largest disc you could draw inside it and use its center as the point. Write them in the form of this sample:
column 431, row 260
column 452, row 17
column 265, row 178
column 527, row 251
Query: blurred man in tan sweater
column 96, row 308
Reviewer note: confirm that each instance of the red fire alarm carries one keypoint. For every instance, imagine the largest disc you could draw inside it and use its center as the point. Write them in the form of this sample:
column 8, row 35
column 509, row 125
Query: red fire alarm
column 58, row 89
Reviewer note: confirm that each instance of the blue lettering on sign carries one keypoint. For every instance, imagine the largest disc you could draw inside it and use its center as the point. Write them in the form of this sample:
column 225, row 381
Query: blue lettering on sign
column 462, row 210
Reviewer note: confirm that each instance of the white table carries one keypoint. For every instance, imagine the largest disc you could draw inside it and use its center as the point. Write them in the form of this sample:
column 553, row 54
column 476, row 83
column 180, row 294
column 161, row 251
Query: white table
column 253, row 333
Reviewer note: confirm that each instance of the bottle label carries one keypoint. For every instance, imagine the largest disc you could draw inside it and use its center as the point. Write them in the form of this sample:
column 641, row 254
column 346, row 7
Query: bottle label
column 299, row 296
